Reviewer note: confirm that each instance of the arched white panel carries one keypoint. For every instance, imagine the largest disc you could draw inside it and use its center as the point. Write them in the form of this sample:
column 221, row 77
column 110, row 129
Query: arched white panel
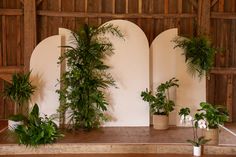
column 130, row 70
column 168, row 62
column 46, row 73
column 164, row 63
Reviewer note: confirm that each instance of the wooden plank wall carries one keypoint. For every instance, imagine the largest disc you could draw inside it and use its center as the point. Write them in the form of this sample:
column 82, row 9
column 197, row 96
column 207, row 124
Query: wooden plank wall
column 152, row 16
column 222, row 85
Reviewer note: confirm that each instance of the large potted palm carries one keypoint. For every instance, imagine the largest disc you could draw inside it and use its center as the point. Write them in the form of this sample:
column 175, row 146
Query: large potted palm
column 19, row 91
column 160, row 103
column 214, row 116
column 82, row 95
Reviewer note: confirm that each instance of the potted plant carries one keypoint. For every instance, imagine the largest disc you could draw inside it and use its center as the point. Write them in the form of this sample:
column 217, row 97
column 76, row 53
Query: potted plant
column 185, row 118
column 19, row 91
column 37, row 130
column 160, row 103
column 199, row 54
column 197, row 141
column 86, row 77
column 213, row 115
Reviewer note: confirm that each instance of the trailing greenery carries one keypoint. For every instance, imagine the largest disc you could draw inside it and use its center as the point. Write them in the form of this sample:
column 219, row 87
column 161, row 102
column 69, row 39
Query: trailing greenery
column 19, row 91
column 37, row 130
column 160, row 103
column 199, row 54
column 83, row 83
column 214, row 115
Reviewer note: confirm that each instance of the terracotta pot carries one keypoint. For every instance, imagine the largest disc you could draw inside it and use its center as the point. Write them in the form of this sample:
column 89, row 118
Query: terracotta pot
column 197, row 151
column 212, row 134
column 160, row 122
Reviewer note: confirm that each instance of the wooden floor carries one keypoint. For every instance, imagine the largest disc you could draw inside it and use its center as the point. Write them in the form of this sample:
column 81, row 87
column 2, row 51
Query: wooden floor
column 118, row 155
column 130, row 135
column 140, row 135
column 118, row 139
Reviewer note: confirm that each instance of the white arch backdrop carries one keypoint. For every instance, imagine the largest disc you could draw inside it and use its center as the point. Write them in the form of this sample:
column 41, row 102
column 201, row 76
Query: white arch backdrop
column 130, row 69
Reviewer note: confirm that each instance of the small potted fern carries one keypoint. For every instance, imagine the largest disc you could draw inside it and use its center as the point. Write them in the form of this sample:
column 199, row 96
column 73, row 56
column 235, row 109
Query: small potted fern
column 160, row 103
column 19, row 91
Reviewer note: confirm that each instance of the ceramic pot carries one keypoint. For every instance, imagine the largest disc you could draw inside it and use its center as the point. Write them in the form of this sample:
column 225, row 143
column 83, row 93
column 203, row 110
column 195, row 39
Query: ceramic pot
column 197, row 151
column 160, row 122
column 213, row 135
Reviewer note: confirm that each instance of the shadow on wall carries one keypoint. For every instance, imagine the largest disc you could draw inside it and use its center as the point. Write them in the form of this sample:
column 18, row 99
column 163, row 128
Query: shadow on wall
column 38, row 95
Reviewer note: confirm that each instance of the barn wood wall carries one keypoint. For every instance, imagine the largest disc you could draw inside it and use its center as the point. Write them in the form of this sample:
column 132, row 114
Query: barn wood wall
column 152, row 16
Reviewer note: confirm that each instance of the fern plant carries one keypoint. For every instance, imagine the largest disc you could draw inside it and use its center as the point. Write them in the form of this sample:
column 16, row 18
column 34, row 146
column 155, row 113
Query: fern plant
column 19, row 91
column 83, row 83
column 199, row 54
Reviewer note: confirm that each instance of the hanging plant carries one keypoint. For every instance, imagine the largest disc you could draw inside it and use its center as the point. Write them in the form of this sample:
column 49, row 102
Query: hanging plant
column 199, row 54
column 83, row 83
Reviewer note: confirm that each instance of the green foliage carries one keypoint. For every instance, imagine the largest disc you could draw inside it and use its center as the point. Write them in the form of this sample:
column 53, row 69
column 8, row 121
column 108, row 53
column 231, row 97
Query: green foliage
column 184, row 111
column 20, row 90
column 160, row 103
column 83, row 84
column 214, row 115
column 199, row 54
column 199, row 141
column 37, row 130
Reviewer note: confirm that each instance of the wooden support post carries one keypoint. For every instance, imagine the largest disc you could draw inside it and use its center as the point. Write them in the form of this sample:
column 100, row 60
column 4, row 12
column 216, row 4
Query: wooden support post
column 29, row 31
column 229, row 100
column 204, row 9
column 203, row 27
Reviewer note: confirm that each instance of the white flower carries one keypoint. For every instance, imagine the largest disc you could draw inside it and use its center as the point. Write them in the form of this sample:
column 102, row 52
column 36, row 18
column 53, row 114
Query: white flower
column 188, row 118
column 202, row 124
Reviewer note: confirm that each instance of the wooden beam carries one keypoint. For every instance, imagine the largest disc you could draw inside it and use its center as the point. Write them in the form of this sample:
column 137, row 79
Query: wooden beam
column 4, row 41
column 111, row 15
column 6, row 77
column 7, row 71
column 222, row 15
column 221, row 5
column 10, row 69
column 213, row 2
column 11, row 12
column 204, row 11
column 22, row 1
column 166, row 6
column 39, row 1
column 29, row 31
column 194, row 3
column 223, row 71
column 229, row 100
